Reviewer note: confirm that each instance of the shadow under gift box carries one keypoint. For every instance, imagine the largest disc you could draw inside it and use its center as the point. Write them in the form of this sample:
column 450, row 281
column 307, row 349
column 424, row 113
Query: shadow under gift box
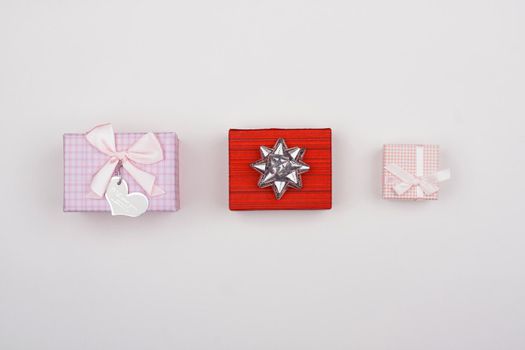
column 82, row 161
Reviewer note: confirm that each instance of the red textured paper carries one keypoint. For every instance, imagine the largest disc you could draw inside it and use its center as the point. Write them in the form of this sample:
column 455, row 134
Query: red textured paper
column 317, row 182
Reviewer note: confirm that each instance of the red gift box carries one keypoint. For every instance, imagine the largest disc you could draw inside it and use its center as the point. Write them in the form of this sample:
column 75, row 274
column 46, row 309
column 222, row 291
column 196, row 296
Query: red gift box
column 244, row 150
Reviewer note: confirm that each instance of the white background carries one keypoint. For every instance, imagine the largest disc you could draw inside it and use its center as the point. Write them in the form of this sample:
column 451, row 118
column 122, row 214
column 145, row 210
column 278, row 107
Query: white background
column 369, row 274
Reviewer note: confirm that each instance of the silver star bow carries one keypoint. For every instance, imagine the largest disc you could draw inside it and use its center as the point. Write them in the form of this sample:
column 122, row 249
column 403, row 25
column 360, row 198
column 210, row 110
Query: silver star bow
column 281, row 167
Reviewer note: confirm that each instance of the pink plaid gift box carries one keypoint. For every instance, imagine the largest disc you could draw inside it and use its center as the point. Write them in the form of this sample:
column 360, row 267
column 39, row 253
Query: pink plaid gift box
column 412, row 171
column 82, row 161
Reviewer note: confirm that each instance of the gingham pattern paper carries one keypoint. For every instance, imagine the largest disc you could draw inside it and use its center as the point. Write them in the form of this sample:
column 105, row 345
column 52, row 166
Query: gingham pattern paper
column 404, row 155
column 82, row 161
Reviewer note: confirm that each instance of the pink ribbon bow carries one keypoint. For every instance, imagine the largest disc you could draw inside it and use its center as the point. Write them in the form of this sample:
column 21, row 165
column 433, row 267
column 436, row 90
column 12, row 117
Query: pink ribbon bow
column 147, row 150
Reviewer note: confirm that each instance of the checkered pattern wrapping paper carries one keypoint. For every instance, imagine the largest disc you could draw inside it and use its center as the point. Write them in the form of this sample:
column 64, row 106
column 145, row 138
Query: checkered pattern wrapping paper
column 405, row 156
column 82, row 161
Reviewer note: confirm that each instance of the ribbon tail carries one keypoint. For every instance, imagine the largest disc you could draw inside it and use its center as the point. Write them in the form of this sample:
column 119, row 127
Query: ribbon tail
column 157, row 191
column 144, row 179
column 428, row 188
column 442, row 175
column 100, row 180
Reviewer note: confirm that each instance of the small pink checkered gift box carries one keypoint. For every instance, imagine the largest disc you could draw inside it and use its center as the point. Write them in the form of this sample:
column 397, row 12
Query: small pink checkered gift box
column 82, row 161
column 411, row 171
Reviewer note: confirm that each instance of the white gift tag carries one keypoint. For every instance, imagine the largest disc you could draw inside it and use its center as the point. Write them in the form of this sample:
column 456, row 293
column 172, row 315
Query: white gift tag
column 123, row 203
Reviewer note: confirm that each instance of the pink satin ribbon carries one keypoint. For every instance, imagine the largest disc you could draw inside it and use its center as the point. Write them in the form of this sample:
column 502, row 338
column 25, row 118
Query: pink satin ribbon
column 147, row 150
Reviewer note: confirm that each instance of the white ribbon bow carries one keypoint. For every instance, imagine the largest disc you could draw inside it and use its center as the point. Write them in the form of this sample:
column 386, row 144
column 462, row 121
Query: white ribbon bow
column 426, row 183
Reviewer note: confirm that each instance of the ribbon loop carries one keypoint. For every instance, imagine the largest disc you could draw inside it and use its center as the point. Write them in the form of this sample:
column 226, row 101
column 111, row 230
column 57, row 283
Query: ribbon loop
column 146, row 150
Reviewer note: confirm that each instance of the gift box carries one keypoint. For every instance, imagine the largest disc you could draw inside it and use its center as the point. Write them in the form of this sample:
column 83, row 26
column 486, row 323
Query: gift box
column 277, row 169
column 411, row 171
column 147, row 162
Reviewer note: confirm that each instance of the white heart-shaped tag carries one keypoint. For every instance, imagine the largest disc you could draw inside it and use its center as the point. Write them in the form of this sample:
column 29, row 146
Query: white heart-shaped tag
column 123, row 203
